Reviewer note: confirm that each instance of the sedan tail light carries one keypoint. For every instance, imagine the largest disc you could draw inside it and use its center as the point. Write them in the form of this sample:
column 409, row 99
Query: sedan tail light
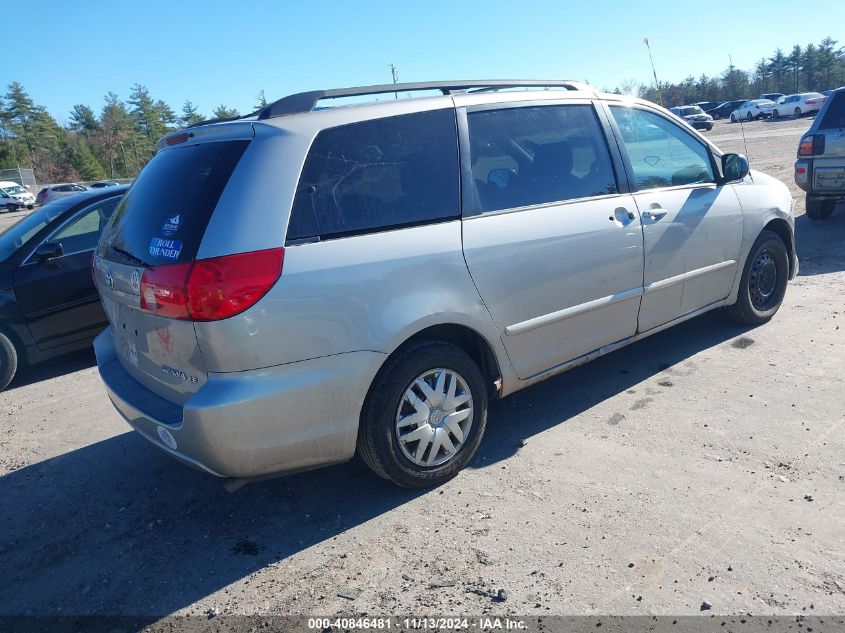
column 210, row 289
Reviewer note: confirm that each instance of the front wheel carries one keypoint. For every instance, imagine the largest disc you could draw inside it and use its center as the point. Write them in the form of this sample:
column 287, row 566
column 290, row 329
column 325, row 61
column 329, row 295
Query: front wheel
column 749, row 116
column 763, row 283
column 733, row 119
column 775, row 114
column 797, row 113
column 8, row 361
column 425, row 415
column 11, row 207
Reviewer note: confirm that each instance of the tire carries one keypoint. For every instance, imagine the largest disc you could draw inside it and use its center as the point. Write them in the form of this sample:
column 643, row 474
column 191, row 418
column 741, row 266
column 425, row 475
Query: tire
column 763, row 282
column 8, row 361
column 750, row 117
column 797, row 113
column 819, row 208
column 11, row 207
column 378, row 433
column 775, row 114
column 733, row 119
column 716, row 116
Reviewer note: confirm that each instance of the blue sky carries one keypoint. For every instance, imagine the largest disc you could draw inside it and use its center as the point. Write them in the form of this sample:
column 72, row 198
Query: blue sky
column 215, row 52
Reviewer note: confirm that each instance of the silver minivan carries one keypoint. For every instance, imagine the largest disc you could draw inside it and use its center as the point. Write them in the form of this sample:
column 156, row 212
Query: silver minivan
column 323, row 277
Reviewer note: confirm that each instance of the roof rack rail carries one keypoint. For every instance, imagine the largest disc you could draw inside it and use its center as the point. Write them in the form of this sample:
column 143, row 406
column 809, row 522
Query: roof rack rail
column 306, row 101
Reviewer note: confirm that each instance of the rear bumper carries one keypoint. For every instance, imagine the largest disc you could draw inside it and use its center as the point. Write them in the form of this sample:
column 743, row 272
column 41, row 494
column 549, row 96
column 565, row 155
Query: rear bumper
column 247, row 424
column 822, row 177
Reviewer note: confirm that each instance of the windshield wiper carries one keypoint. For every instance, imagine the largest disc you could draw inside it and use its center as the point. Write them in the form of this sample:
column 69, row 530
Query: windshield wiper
column 129, row 256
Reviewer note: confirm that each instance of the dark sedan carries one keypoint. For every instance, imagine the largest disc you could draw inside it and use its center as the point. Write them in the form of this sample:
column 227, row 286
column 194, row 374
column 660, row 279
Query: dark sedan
column 725, row 109
column 48, row 302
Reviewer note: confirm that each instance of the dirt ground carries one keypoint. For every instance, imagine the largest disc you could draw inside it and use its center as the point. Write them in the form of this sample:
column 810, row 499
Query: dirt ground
column 704, row 464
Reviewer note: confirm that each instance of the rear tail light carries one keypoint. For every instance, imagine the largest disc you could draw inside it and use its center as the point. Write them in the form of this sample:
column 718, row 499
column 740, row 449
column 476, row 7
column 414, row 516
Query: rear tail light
column 811, row 145
column 210, row 289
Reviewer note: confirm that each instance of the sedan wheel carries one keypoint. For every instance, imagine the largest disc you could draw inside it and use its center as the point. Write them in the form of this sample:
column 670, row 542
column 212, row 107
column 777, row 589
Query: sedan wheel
column 733, row 119
column 797, row 113
column 775, row 114
column 749, row 116
column 763, row 282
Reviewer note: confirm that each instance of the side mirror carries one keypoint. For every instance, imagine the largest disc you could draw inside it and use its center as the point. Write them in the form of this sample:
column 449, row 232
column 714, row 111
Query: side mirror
column 48, row 251
column 734, row 167
column 500, row 177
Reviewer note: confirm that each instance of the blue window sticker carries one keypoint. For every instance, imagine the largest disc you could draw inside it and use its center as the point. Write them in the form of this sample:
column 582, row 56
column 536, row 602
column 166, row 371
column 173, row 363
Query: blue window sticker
column 162, row 247
column 171, row 225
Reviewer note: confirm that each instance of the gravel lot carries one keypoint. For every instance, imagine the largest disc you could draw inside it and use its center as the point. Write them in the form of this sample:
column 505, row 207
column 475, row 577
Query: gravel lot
column 704, row 464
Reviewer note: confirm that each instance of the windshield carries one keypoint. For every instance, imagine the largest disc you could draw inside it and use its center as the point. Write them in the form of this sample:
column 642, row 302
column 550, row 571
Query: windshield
column 14, row 189
column 687, row 111
column 18, row 234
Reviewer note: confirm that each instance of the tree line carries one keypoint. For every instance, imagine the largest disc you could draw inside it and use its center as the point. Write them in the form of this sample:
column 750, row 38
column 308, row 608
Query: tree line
column 115, row 142
column 813, row 68
column 119, row 139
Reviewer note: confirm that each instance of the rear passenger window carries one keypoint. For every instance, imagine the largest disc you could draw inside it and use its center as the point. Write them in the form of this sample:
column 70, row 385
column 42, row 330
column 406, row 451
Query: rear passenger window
column 834, row 116
column 534, row 155
column 376, row 175
column 662, row 154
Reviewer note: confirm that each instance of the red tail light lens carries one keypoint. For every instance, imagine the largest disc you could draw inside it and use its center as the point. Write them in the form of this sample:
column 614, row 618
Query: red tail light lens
column 164, row 291
column 805, row 147
column 211, row 289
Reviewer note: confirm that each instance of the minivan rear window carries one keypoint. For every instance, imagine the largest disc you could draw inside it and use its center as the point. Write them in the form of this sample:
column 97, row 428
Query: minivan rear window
column 378, row 175
column 163, row 217
column 834, row 116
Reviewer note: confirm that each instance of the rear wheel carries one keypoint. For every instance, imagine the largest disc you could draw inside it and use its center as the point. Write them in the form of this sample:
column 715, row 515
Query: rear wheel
column 749, row 116
column 8, row 361
column 775, row 114
column 425, row 415
column 733, row 119
column 11, row 207
column 797, row 113
column 819, row 208
column 763, row 282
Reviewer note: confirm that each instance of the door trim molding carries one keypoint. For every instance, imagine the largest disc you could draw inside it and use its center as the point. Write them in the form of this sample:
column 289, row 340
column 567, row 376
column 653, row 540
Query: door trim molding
column 677, row 279
column 582, row 308
column 572, row 311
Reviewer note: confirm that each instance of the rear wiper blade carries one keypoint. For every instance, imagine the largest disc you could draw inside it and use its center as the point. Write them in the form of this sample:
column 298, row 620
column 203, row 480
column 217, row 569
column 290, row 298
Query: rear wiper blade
column 129, row 256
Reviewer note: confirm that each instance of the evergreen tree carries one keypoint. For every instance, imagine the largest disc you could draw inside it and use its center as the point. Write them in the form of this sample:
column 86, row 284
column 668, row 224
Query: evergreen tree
column 794, row 63
column 190, row 114
column 260, row 100
column 223, row 112
column 85, row 162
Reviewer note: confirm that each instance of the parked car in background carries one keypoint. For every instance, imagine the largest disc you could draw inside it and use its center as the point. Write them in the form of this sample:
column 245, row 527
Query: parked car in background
column 14, row 196
column 103, row 183
column 820, row 168
column 753, row 110
column 62, row 190
column 694, row 116
column 771, row 96
column 411, row 283
column 708, row 105
column 798, row 105
column 724, row 110
column 48, row 302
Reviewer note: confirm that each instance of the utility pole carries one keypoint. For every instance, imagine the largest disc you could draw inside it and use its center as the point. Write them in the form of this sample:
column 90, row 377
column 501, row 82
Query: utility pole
column 394, row 72
column 656, row 83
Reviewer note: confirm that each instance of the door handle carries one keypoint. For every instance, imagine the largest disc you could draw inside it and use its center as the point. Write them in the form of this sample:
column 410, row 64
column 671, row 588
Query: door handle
column 621, row 215
column 655, row 213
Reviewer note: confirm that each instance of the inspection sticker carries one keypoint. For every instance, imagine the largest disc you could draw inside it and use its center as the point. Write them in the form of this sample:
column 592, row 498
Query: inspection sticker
column 161, row 247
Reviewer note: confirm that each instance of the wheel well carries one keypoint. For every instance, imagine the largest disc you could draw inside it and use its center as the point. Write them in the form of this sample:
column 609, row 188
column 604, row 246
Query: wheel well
column 471, row 342
column 782, row 230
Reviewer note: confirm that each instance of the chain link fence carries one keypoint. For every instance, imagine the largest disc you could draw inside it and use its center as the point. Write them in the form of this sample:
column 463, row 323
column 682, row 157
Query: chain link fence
column 24, row 177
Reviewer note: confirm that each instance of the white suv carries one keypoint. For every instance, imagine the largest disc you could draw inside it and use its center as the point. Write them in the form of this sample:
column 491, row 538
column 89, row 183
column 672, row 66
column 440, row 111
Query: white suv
column 295, row 285
column 14, row 196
